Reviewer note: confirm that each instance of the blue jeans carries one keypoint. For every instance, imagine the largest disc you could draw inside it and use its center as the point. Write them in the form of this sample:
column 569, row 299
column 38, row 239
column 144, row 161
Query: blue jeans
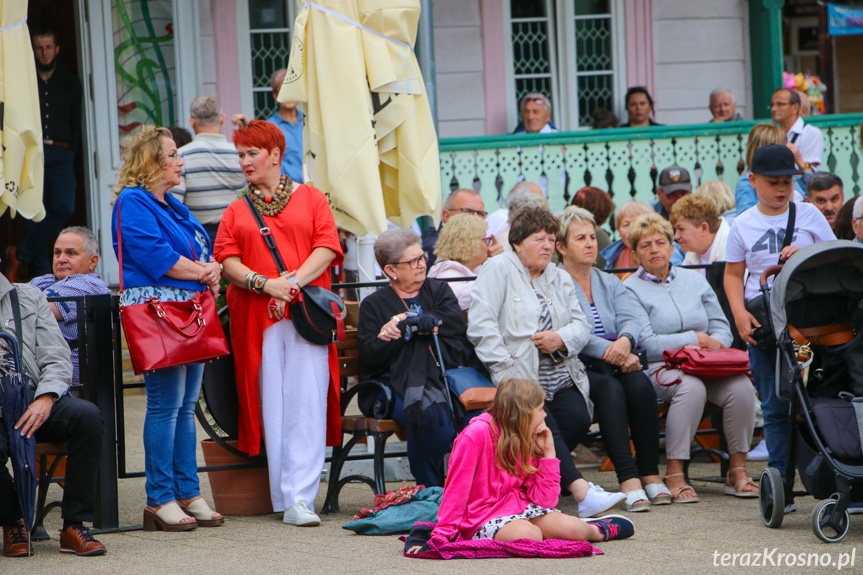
column 169, row 433
column 426, row 453
column 776, row 412
column 59, row 199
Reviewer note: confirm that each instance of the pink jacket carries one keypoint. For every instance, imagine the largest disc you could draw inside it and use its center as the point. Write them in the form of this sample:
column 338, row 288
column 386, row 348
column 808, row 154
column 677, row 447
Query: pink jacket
column 477, row 490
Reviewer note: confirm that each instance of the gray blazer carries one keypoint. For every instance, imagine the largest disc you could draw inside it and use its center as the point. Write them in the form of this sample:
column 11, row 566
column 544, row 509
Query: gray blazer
column 45, row 353
column 617, row 307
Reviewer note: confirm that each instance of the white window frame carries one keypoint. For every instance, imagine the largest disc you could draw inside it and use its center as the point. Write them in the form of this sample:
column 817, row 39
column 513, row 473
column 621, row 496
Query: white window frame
column 563, row 62
column 244, row 47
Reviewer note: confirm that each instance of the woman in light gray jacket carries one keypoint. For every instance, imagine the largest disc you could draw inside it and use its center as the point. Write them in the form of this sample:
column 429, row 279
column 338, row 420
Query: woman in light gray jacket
column 526, row 323
column 680, row 309
column 623, row 396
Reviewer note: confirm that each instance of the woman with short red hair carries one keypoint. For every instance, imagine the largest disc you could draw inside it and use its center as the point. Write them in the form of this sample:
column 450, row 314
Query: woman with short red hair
column 288, row 387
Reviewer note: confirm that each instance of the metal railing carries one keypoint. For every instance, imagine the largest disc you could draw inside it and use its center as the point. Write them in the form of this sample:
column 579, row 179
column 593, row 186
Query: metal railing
column 625, row 161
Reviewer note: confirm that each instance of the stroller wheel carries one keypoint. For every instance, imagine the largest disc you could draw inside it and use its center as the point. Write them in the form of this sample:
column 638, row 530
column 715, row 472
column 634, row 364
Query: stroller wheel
column 771, row 497
column 823, row 525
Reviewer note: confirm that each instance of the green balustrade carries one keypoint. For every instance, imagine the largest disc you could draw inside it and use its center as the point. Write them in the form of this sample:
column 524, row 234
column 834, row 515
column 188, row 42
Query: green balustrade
column 625, row 161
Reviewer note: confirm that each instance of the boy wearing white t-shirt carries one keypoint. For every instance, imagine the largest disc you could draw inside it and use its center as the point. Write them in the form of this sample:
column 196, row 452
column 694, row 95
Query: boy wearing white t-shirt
column 754, row 244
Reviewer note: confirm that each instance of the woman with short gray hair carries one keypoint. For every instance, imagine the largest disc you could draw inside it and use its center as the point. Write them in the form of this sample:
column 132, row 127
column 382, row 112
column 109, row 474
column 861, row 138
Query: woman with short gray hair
column 395, row 343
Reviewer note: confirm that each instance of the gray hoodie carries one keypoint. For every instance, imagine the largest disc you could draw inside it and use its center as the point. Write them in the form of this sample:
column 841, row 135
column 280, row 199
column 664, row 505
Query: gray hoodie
column 504, row 314
column 45, row 353
column 674, row 312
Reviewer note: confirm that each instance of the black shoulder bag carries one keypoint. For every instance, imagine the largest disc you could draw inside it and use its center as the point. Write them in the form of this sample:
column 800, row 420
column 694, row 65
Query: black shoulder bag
column 765, row 339
column 317, row 313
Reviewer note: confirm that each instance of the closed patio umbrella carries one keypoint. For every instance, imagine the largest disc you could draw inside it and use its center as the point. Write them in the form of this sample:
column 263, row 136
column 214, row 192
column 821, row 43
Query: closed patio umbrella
column 21, row 161
column 369, row 139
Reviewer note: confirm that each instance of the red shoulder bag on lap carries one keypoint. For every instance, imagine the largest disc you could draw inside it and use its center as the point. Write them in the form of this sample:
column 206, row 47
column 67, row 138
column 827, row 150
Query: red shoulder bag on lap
column 164, row 334
column 708, row 364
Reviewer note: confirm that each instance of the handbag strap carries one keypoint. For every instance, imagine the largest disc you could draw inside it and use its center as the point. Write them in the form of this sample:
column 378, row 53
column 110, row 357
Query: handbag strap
column 267, row 235
column 120, row 244
column 789, row 228
column 16, row 315
column 340, row 321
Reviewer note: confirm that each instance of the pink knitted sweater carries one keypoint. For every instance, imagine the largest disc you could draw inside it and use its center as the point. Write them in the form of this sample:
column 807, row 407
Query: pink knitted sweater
column 476, row 490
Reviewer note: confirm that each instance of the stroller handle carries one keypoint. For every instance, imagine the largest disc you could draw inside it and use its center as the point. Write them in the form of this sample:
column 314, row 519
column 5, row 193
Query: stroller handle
column 771, row 271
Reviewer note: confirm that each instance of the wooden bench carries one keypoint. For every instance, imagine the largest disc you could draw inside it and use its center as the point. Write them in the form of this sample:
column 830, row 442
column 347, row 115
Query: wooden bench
column 358, row 428
column 47, row 470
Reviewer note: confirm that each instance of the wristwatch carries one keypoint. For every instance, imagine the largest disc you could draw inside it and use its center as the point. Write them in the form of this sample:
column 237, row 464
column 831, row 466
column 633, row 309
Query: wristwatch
column 631, row 340
column 258, row 283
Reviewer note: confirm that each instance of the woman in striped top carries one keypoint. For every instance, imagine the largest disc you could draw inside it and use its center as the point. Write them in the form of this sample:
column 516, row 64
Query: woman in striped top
column 622, row 394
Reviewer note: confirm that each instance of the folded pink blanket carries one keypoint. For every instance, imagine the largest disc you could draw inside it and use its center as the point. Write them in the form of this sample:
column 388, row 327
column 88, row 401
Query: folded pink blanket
column 491, row 549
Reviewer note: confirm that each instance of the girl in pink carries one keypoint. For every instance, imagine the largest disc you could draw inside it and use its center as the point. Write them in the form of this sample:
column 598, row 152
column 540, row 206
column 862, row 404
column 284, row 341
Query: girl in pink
column 504, row 478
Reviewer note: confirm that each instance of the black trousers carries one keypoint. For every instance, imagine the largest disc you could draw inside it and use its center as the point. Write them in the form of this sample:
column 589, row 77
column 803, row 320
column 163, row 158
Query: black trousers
column 79, row 424
column 626, row 405
column 567, row 417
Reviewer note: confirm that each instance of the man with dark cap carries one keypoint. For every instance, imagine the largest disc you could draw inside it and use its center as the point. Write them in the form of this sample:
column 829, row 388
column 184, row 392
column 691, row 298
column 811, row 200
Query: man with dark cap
column 674, row 183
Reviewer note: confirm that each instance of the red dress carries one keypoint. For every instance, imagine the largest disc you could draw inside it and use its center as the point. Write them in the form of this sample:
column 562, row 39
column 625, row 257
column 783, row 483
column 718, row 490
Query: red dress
column 304, row 224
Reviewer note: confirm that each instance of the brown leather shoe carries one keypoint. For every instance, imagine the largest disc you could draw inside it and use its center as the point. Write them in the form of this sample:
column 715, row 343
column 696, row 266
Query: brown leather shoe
column 16, row 542
column 77, row 539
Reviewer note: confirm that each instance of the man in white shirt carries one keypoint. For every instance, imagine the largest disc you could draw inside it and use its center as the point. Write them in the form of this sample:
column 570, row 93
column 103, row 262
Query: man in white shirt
column 535, row 110
column 785, row 112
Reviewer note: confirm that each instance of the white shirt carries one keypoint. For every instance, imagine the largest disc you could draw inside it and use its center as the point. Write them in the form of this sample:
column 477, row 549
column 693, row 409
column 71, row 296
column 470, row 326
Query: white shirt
column 497, row 222
column 757, row 239
column 810, row 140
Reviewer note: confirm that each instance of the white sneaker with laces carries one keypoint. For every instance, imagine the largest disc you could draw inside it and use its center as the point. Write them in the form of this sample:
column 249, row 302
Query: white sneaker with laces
column 300, row 514
column 598, row 500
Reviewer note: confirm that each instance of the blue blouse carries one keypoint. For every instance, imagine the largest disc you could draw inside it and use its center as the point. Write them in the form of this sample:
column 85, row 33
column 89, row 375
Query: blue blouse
column 155, row 236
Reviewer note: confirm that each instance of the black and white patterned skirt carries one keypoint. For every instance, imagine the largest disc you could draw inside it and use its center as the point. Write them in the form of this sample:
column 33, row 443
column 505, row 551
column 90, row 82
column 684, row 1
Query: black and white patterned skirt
column 490, row 528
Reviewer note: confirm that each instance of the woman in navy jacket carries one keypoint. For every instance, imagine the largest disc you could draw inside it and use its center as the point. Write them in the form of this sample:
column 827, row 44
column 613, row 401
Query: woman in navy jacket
column 166, row 255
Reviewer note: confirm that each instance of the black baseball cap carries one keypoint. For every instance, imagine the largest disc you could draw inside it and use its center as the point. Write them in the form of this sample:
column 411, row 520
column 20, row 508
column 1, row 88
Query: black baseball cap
column 674, row 178
column 774, row 160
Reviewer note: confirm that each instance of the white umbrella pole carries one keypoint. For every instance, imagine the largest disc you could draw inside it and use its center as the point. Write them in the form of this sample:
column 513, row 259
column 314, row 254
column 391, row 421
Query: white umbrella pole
column 366, row 262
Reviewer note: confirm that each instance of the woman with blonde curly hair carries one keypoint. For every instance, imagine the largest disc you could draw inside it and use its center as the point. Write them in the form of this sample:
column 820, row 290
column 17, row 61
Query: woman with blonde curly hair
column 461, row 249
column 166, row 255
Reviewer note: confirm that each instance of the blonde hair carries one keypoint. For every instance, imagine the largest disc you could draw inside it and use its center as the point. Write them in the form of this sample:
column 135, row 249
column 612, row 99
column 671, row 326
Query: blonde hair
column 695, row 209
column 143, row 162
column 512, row 411
column 719, row 193
column 571, row 215
column 761, row 135
column 631, row 208
column 458, row 238
column 647, row 224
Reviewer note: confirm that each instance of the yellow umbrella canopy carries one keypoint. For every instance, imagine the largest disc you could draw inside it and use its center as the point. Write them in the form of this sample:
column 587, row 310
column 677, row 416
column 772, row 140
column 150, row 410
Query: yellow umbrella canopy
column 21, row 161
column 369, row 139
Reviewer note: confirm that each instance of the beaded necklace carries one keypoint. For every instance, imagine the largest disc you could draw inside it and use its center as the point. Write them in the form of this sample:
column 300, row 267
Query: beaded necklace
column 271, row 205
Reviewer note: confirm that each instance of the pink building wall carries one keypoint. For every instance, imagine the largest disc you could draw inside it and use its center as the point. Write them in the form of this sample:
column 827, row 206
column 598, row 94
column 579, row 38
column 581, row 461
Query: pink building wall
column 640, row 61
column 494, row 44
column 227, row 58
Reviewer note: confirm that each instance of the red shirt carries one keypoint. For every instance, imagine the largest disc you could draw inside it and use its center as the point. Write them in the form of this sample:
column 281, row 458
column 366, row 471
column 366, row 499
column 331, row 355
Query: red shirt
column 304, row 224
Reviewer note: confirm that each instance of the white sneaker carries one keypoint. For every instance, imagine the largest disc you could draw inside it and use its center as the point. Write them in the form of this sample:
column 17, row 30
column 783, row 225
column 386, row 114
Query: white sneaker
column 598, row 500
column 300, row 514
column 759, row 452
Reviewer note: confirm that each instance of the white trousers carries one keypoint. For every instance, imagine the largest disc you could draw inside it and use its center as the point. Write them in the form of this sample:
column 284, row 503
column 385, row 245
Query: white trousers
column 294, row 379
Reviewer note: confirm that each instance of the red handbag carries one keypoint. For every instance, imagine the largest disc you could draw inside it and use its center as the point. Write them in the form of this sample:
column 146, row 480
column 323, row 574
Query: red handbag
column 708, row 364
column 164, row 334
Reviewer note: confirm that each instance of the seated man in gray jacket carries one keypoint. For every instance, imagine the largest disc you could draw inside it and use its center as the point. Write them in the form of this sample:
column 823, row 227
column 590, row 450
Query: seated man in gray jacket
column 53, row 416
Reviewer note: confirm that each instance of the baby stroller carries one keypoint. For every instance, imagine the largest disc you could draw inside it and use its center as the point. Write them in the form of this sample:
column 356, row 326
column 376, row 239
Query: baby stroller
column 815, row 308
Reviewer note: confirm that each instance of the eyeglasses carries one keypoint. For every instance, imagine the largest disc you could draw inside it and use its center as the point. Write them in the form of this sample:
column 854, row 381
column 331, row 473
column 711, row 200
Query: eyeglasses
column 174, row 156
column 414, row 263
column 479, row 213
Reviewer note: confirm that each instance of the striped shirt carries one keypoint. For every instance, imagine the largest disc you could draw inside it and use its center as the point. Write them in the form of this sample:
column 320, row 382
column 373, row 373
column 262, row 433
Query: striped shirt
column 598, row 328
column 553, row 375
column 75, row 285
column 211, row 178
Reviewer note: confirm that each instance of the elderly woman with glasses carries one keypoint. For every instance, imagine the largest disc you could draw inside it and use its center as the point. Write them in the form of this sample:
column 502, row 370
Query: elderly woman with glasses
column 395, row 343
column 678, row 308
column 526, row 323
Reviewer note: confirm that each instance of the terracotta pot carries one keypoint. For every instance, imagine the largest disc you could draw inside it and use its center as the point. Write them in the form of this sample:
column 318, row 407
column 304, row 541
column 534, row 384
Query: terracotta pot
column 236, row 491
